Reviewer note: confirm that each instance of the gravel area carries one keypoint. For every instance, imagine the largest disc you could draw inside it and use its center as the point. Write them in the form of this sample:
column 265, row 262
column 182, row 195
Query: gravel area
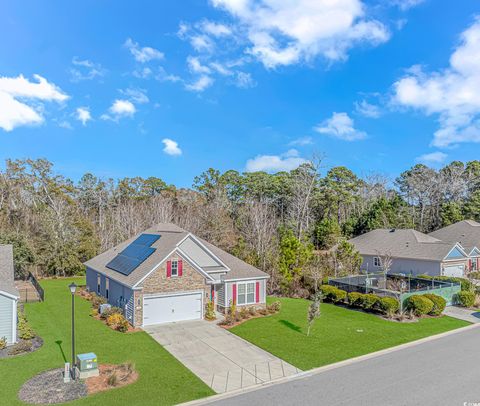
column 28, row 345
column 49, row 388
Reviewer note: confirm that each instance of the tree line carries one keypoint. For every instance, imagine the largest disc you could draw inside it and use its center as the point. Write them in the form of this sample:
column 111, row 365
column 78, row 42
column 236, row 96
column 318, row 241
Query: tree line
column 293, row 225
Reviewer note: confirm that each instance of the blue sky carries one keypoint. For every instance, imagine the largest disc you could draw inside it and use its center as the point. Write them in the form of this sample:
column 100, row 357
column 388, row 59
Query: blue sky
column 170, row 88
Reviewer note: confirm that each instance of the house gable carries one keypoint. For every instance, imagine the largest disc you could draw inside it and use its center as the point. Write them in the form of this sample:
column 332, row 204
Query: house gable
column 201, row 255
column 455, row 253
column 475, row 252
column 161, row 279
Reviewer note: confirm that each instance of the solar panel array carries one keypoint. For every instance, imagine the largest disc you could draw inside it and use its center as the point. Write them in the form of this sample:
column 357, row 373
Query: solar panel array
column 134, row 254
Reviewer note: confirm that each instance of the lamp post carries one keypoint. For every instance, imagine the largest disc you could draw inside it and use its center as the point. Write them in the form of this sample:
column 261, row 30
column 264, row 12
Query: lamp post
column 73, row 288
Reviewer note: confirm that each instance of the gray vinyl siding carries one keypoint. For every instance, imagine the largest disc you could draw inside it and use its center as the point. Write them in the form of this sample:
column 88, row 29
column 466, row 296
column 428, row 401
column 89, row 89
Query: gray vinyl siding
column 118, row 294
column 221, row 295
column 404, row 265
column 7, row 318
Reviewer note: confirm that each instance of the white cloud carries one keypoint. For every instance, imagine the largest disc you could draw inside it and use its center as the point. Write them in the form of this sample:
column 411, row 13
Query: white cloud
column 368, row 110
column 85, row 70
column 201, row 43
column 136, row 95
column 120, row 109
column 171, row 147
column 302, row 141
column 143, row 73
column 340, row 126
column 199, row 85
column 195, row 65
column 433, row 158
column 406, row 4
column 163, row 76
column 244, row 80
column 285, row 32
column 452, row 94
column 16, row 96
column 275, row 163
column 143, row 54
column 216, row 29
column 83, row 115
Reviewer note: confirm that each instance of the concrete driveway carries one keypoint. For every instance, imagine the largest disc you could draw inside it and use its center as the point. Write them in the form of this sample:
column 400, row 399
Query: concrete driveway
column 222, row 360
column 473, row 316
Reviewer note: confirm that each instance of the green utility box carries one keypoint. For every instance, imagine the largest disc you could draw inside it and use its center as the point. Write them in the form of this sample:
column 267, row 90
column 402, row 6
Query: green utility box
column 87, row 362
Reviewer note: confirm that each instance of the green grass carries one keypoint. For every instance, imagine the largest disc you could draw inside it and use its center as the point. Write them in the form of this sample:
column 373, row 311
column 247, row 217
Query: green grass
column 163, row 380
column 337, row 335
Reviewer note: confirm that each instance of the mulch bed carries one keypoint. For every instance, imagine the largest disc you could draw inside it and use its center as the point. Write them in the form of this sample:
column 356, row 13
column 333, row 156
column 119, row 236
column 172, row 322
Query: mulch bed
column 48, row 387
column 21, row 348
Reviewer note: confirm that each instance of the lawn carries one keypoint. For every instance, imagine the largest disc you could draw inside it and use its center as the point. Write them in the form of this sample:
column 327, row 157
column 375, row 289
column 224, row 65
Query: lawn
column 337, row 335
column 163, row 380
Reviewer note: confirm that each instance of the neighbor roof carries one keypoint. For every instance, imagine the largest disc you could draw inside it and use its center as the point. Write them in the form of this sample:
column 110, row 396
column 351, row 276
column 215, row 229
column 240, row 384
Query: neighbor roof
column 466, row 232
column 7, row 284
column 402, row 243
column 170, row 236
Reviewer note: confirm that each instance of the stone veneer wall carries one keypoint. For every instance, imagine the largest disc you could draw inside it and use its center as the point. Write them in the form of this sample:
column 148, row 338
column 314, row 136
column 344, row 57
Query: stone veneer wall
column 157, row 282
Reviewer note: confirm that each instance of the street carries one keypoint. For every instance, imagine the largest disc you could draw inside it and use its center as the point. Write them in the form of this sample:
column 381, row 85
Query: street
column 444, row 371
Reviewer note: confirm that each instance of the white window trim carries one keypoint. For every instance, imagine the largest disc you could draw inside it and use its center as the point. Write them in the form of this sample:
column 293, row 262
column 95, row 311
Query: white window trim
column 99, row 284
column 107, row 288
column 377, row 262
column 174, row 275
column 254, row 283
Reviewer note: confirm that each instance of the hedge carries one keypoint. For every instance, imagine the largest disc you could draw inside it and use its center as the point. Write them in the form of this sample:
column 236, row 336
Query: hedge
column 466, row 299
column 355, row 299
column 419, row 304
column 465, row 284
column 389, row 305
column 369, row 301
column 439, row 304
column 333, row 294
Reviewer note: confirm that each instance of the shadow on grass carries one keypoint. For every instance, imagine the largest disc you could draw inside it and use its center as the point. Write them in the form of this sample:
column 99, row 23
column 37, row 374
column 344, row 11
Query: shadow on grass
column 291, row 326
column 59, row 343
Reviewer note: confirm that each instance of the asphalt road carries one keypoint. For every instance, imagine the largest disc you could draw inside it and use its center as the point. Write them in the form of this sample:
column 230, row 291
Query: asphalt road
column 444, row 371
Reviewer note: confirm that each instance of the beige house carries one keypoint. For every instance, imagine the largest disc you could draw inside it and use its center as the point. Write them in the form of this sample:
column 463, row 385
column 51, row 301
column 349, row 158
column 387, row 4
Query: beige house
column 167, row 274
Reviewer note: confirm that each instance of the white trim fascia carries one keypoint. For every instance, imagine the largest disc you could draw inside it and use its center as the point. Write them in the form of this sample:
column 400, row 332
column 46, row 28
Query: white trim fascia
column 168, row 294
column 206, row 249
column 250, row 278
column 460, row 248
column 9, row 295
column 474, row 249
column 195, row 265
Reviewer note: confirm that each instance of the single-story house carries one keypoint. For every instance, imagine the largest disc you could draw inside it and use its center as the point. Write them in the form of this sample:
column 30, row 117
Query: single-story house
column 8, row 296
column 411, row 253
column 167, row 274
column 467, row 234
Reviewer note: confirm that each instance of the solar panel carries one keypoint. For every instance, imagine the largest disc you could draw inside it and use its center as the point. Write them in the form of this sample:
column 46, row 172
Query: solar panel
column 134, row 254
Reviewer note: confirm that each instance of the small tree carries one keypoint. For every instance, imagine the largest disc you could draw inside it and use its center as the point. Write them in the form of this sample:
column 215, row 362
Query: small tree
column 313, row 311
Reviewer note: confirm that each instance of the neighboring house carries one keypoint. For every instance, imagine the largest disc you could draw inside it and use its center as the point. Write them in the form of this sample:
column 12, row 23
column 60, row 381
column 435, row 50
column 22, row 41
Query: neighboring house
column 411, row 252
column 167, row 274
column 467, row 234
column 8, row 296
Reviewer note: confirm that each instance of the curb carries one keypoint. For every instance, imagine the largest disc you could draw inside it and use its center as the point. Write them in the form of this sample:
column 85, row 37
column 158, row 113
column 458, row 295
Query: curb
column 328, row 367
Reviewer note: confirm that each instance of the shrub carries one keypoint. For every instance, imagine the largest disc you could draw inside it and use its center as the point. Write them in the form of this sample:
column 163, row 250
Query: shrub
column 20, row 348
column 419, row 305
column 466, row 299
column 112, row 379
column 439, row 304
column 263, row 312
column 389, row 305
column 474, row 275
column 333, row 294
column 244, row 314
column 369, row 301
column 3, row 343
column 94, row 312
column 253, row 311
column 107, row 313
column 25, row 332
column 210, row 311
column 355, row 299
column 274, row 307
column 97, row 300
column 117, row 322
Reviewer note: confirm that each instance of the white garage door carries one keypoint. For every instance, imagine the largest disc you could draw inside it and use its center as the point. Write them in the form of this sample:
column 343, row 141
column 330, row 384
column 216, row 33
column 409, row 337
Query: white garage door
column 165, row 309
column 453, row 270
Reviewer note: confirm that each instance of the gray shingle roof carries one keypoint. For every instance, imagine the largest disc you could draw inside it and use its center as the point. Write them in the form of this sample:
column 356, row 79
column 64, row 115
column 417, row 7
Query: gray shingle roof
column 466, row 232
column 170, row 236
column 401, row 243
column 7, row 271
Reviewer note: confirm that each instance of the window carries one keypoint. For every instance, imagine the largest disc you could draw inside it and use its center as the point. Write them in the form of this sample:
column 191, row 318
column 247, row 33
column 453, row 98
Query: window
column 99, row 280
column 107, row 286
column 246, row 293
column 377, row 262
column 474, row 264
column 174, row 268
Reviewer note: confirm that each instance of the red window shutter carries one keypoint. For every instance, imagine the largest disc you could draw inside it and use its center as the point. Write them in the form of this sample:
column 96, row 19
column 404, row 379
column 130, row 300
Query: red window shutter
column 469, row 264
column 169, row 269
column 257, row 292
column 478, row 264
column 180, row 267
column 213, row 294
column 234, row 288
